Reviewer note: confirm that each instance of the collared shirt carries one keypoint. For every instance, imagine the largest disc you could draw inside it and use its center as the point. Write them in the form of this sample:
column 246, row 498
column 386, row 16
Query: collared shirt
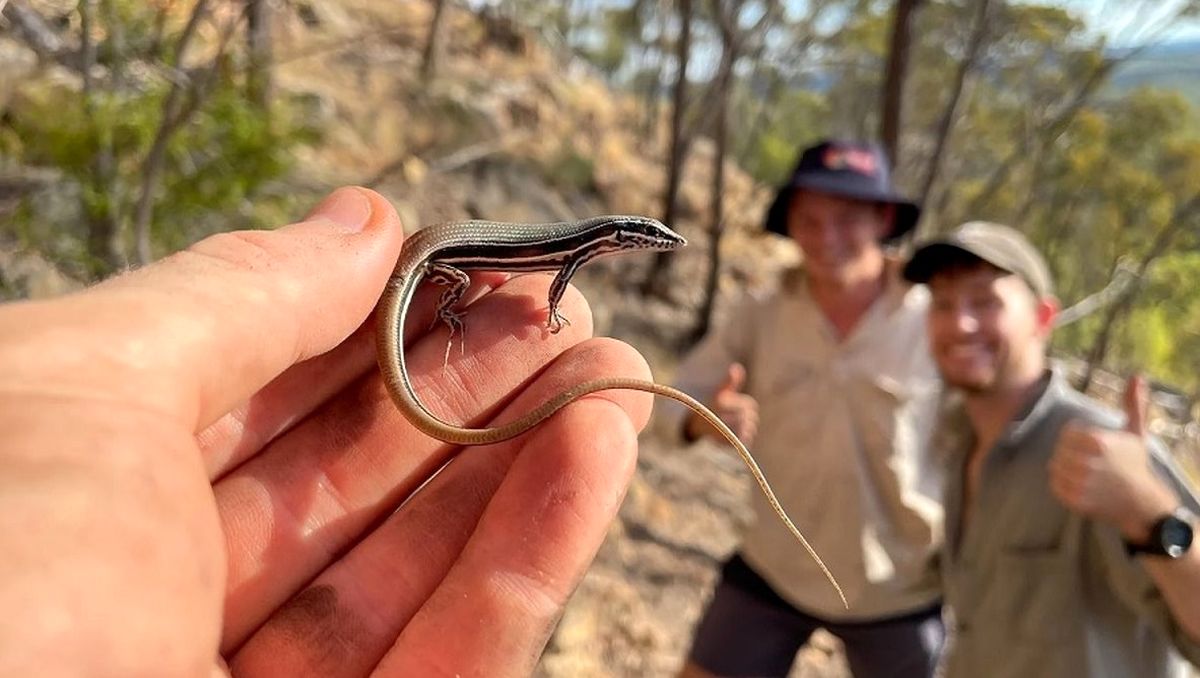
column 843, row 439
column 1035, row 589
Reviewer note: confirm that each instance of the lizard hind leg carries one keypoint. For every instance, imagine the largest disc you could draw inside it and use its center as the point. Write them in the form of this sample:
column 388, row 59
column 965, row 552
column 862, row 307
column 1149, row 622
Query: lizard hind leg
column 456, row 283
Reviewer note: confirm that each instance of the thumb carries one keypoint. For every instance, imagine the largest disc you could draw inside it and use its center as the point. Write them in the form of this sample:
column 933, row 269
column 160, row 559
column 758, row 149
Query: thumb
column 205, row 328
column 1137, row 400
column 735, row 378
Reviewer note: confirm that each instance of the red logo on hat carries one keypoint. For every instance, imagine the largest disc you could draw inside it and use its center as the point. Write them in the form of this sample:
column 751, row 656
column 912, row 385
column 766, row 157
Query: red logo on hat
column 853, row 159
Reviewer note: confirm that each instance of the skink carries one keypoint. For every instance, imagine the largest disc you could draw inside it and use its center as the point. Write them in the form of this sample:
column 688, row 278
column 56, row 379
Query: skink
column 443, row 253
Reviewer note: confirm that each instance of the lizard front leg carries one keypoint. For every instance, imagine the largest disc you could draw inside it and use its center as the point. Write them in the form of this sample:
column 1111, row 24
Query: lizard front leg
column 558, row 287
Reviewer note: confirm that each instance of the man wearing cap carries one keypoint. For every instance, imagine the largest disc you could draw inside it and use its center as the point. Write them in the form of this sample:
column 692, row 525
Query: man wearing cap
column 1068, row 530
column 829, row 382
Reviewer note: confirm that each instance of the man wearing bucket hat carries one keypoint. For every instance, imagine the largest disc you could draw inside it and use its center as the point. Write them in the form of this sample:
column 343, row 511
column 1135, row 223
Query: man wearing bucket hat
column 828, row 381
column 1068, row 530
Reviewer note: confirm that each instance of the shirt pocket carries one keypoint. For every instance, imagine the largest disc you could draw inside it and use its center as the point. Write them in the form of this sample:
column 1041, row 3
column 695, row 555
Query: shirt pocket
column 1039, row 591
column 896, row 418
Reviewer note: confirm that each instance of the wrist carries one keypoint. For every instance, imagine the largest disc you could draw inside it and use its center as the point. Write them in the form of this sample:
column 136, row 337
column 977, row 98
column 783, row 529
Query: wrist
column 1148, row 507
column 1170, row 536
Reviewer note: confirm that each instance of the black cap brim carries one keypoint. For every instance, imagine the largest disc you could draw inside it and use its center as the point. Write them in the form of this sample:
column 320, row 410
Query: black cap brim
column 933, row 257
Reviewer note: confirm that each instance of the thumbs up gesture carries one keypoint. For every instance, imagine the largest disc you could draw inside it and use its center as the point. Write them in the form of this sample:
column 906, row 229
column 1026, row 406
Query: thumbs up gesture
column 737, row 409
column 1106, row 474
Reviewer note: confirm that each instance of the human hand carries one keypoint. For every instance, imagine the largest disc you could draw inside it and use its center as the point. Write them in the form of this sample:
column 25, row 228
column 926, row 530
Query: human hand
column 1106, row 474
column 738, row 410
column 200, row 464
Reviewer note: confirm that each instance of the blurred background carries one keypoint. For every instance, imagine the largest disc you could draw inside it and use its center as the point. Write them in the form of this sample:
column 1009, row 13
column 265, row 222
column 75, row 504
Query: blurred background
column 130, row 129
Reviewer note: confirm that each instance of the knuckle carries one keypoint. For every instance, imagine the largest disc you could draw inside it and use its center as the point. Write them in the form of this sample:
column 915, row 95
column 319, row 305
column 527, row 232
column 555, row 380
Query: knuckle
column 247, row 250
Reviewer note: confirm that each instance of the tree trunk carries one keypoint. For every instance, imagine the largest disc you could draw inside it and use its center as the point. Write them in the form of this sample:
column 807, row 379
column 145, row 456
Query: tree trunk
column 564, row 25
column 182, row 102
column 716, row 223
column 893, row 83
column 101, row 202
column 433, row 43
column 679, row 144
column 258, row 42
column 653, row 86
column 950, row 113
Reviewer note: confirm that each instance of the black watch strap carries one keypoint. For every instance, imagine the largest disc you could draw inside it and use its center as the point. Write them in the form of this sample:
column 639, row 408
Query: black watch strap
column 1171, row 536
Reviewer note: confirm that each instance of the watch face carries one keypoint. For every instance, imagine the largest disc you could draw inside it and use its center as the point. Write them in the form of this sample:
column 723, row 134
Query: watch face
column 1176, row 536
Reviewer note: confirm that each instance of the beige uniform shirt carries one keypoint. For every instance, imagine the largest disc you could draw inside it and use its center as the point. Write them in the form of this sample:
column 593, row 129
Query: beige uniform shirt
column 843, row 440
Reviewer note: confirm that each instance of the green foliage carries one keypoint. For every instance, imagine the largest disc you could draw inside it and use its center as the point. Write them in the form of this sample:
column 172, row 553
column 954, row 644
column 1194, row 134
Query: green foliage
column 1172, row 280
column 1162, row 333
column 230, row 152
column 220, row 162
column 771, row 146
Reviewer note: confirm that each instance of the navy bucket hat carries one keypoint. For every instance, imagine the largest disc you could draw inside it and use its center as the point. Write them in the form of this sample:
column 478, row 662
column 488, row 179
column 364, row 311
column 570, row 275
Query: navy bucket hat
column 845, row 169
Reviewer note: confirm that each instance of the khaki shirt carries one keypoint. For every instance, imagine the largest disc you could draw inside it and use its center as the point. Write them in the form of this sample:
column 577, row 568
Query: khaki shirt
column 843, row 440
column 1034, row 589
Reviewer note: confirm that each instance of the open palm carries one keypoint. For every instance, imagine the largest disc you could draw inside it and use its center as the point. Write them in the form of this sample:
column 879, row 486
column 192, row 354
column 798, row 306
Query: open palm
column 219, row 481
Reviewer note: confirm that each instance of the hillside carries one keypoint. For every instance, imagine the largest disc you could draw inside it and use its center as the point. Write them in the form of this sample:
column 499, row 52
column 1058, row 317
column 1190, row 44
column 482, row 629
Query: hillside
column 1171, row 66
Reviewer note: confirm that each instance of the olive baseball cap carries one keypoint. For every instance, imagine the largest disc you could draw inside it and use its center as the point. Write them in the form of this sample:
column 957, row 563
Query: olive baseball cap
column 1001, row 246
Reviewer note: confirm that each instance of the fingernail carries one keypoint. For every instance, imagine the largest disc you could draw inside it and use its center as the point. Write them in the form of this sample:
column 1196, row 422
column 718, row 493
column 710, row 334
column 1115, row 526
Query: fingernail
column 347, row 208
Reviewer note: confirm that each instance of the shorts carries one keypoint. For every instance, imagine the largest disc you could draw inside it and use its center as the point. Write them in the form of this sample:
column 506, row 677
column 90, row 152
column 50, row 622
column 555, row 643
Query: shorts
column 749, row 630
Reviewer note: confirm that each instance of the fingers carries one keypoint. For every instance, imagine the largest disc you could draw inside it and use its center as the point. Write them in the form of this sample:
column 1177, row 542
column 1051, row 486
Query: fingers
column 296, row 393
column 496, row 608
column 194, row 334
column 1071, row 467
column 344, row 622
column 735, row 379
column 284, row 402
column 1069, row 488
column 291, row 509
column 1136, row 401
column 738, row 410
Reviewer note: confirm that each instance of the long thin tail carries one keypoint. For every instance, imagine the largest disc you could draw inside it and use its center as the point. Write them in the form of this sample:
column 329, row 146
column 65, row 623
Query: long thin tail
column 437, row 428
column 558, row 402
column 715, row 421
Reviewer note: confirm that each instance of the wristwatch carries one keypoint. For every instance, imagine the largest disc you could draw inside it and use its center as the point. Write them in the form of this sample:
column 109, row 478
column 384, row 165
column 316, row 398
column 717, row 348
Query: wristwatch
column 1170, row 536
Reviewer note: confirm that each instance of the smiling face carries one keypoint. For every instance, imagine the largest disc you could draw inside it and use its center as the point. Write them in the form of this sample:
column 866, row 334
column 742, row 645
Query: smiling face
column 838, row 236
column 987, row 330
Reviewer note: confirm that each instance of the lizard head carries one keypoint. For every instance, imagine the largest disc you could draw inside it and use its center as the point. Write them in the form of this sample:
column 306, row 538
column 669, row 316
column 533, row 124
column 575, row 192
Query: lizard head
column 643, row 233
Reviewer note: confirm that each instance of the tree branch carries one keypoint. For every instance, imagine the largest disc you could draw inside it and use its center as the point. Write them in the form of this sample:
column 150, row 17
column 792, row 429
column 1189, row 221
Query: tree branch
column 176, row 111
column 893, row 82
column 1162, row 241
column 1123, row 277
column 32, row 29
column 950, row 113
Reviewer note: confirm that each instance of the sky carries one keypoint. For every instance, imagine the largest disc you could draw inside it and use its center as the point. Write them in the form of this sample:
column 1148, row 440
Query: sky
column 1121, row 20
